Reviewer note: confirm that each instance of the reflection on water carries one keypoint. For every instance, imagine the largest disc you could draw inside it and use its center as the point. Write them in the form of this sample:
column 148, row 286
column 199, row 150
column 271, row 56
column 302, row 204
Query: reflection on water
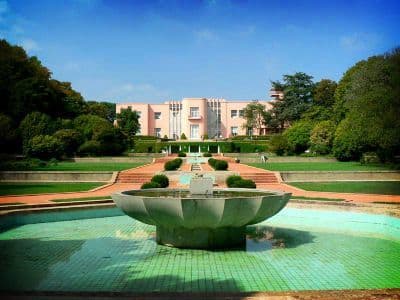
column 186, row 194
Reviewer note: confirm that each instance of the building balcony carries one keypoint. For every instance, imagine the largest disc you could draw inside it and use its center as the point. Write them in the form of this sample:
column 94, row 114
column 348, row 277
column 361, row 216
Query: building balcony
column 194, row 117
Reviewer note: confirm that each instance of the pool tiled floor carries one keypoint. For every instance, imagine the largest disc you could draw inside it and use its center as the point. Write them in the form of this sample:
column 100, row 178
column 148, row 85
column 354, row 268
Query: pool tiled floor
column 120, row 254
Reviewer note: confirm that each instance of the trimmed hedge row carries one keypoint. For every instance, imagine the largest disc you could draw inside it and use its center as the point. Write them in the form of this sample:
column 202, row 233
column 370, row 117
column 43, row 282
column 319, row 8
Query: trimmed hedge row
column 236, row 181
column 173, row 165
column 218, row 164
column 212, row 147
column 157, row 181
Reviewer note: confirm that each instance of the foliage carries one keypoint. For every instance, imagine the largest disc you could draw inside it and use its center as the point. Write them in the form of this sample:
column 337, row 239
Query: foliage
column 218, row 164
column 183, row 136
column 212, row 162
column 128, row 122
column 105, row 110
column 35, row 123
column 181, row 154
column 298, row 136
column 232, row 179
column 244, row 183
column 111, row 141
column 7, row 134
column 44, row 147
column 161, row 179
column 256, row 116
column 70, row 140
column 90, row 125
column 90, row 148
column 207, row 154
column 298, row 89
column 150, row 185
column 321, row 137
column 173, row 165
column 279, row 144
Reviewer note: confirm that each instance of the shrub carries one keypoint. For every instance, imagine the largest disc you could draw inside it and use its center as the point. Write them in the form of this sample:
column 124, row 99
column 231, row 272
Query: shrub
column 181, row 154
column 207, row 154
column 44, row 147
column 150, row 185
column 161, row 179
column 298, row 136
column 221, row 165
column 244, row 183
column 183, row 136
column 278, row 144
column 347, row 145
column 212, row 162
column 34, row 124
column 232, row 179
column 91, row 148
column 321, row 138
column 70, row 140
column 22, row 165
column 173, row 165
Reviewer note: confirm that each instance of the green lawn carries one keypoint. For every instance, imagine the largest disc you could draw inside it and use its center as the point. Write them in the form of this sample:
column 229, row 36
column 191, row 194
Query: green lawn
column 89, row 166
column 367, row 187
column 319, row 166
column 8, row 188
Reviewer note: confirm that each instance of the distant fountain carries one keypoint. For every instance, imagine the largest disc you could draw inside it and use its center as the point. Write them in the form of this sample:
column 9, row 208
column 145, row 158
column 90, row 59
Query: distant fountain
column 201, row 217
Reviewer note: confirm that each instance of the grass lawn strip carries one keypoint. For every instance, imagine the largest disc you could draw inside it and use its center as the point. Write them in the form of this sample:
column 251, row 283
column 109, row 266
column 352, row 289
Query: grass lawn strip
column 45, row 187
column 364, row 187
column 89, row 166
column 316, row 198
column 319, row 166
column 82, row 199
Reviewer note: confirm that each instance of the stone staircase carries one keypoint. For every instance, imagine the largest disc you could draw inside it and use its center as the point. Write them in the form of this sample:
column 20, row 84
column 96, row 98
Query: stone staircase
column 261, row 177
column 128, row 177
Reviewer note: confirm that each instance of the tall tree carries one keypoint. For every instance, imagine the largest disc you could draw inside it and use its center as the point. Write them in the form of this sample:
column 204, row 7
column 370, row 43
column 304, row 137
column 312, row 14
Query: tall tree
column 256, row 116
column 321, row 108
column 128, row 122
column 298, row 89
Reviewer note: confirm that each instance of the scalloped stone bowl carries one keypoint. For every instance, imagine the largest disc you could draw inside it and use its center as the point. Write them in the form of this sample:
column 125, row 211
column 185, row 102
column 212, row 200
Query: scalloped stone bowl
column 212, row 221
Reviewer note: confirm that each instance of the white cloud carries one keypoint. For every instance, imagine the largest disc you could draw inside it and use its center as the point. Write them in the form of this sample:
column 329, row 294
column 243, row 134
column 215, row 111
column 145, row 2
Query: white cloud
column 206, row 35
column 29, row 44
column 142, row 92
column 359, row 41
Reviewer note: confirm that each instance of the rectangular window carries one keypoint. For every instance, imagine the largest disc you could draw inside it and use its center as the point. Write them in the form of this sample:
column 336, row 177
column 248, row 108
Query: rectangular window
column 194, row 112
column 194, row 132
column 157, row 115
column 157, row 132
column 234, row 130
column 234, row 113
column 241, row 113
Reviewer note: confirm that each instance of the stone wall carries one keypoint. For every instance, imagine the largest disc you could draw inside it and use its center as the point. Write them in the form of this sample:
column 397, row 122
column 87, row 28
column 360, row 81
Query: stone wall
column 293, row 176
column 255, row 158
column 55, row 176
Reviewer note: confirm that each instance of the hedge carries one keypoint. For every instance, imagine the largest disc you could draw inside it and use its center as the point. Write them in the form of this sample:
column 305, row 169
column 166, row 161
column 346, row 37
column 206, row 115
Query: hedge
column 173, row 165
column 150, row 185
column 161, row 179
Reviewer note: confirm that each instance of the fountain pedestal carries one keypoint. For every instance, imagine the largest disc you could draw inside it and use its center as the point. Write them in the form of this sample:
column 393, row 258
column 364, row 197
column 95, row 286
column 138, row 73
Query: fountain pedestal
column 201, row 238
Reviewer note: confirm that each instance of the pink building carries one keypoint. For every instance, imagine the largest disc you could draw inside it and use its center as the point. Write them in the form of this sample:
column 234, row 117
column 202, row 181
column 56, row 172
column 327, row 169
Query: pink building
column 195, row 117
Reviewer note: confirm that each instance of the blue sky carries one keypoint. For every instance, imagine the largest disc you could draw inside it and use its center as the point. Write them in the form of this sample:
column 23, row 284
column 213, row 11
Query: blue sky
column 152, row 51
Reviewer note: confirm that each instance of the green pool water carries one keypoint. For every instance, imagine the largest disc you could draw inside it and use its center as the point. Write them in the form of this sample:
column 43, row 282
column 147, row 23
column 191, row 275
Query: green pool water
column 102, row 250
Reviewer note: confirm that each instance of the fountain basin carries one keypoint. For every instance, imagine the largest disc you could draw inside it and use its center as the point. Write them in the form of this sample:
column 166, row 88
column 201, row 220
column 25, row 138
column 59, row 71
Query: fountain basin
column 186, row 220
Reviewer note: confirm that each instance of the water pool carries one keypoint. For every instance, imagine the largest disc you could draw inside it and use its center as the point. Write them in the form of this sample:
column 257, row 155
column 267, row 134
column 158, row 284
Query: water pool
column 299, row 249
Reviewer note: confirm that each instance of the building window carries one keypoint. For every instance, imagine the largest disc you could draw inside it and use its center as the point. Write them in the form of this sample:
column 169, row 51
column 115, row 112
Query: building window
column 249, row 131
column 139, row 113
column 157, row 132
column 194, row 132
column 234, row 130
column 194, row 112
column 157, row 115
column 234, row 113
column 241, row 113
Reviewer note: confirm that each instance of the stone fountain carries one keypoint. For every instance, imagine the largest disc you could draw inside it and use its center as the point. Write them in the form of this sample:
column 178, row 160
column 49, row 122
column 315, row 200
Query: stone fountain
column 201, row 217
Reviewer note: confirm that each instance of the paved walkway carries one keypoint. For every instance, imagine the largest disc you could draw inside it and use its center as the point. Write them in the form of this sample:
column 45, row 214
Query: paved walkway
column 158, row 166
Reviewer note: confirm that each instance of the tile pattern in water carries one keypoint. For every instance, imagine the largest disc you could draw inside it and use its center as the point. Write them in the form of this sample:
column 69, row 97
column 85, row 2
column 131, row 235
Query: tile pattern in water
column 120, row 254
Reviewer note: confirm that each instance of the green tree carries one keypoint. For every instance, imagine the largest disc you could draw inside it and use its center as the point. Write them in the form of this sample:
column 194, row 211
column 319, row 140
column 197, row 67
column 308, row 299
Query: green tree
column 298, row 136
column 90, row 125
column 278, row 144
column 321, row 137
column 256, row 116
column 35, row 123
column 298, row 90
column 70, row 140
column 105, row 110
column 8, row 138
column 323, row 100
column 44, row 147
column 128, row 122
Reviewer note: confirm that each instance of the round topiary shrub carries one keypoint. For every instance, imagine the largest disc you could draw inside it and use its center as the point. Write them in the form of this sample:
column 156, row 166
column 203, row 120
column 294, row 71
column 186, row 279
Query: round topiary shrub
column 244, row 183
column 221, row 165
column 232, row 179
column 181, row 154
column 170, row 166
column 212, row 162
column 207, row 154
column 150, row 185
column 161, row 179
